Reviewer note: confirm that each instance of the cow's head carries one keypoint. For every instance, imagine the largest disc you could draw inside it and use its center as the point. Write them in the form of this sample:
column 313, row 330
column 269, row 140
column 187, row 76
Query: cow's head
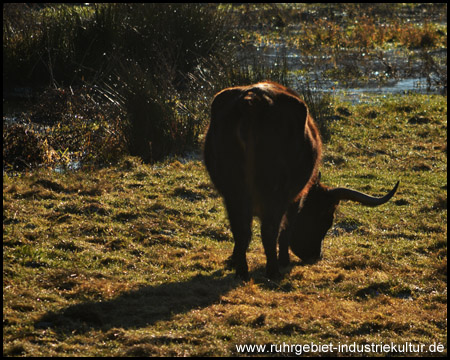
column 311, row 216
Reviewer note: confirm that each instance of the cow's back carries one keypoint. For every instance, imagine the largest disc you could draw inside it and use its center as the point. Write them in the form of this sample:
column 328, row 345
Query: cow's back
column 262, row 142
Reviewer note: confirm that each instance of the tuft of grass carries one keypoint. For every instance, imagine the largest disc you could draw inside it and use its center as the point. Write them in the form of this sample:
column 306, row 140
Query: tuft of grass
column 136, row 62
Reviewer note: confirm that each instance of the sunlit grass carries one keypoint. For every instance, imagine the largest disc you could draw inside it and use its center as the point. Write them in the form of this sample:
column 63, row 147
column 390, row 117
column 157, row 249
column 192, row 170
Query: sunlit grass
column 129, row 259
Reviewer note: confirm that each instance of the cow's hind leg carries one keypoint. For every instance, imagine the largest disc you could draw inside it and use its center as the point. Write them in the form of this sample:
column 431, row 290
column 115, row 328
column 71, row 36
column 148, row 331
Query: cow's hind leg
column 240, row 217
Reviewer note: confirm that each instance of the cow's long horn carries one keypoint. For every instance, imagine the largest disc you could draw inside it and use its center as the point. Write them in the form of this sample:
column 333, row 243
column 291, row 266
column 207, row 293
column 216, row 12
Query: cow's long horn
column 348, row 194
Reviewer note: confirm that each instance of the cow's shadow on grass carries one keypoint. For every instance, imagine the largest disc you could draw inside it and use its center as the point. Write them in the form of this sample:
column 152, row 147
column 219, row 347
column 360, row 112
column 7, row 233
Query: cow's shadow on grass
column 143, row 307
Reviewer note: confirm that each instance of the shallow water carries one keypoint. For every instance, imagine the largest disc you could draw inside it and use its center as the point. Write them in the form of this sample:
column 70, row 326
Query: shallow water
column 391, row 72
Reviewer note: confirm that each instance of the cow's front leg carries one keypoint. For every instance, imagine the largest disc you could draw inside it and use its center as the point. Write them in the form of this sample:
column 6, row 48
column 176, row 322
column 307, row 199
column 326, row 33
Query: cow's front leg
column 269, row 233
column 283, row 248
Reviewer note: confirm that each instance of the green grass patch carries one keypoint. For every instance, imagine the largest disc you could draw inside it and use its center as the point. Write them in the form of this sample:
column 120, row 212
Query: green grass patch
column 128, row 260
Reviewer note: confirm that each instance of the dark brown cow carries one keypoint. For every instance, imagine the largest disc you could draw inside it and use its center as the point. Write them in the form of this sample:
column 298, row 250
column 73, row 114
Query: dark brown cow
column 262, row 151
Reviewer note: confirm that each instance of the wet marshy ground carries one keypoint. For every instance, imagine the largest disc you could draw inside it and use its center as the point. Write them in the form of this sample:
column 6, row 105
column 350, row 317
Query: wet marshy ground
column 379, row 48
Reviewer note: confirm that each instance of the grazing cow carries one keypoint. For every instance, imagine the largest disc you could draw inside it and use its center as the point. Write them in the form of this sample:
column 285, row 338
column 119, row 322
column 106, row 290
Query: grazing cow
column 262, row 152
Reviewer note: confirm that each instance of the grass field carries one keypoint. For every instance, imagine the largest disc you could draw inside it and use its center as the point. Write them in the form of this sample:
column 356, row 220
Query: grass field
column 128, row 260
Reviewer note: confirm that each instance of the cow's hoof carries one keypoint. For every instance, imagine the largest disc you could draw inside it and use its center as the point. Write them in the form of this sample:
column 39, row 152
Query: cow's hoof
column 242, row 275
column 274, row 275
column 229, row 263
